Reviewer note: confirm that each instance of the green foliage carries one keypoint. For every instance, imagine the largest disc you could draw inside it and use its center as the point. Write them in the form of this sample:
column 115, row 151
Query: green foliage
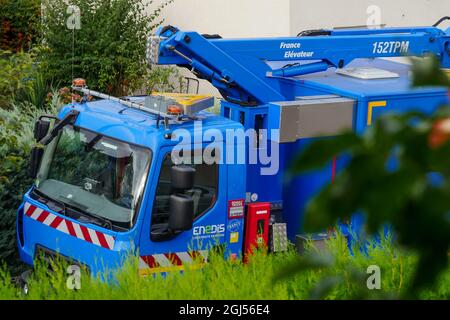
column 109, row 49
column 428, row 72
column 227, row 280
column 22, row 79
column 16, row 71
column 19, row 24
column 402, row 195
column 39, row 91
column 336, row 268
column 16, row 140
column 164, row 79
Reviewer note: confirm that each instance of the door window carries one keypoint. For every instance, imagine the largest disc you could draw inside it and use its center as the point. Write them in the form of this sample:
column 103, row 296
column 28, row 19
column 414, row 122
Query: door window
column 204, row 192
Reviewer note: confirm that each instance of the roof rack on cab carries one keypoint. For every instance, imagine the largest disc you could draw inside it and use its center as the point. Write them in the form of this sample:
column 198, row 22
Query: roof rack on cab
column 169, row 106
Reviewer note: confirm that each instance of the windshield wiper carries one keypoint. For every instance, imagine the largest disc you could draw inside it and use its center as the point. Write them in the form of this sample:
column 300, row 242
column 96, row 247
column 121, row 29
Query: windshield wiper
column 70, row 118
column 86, row 213
column 62, row 208
column 50, row 202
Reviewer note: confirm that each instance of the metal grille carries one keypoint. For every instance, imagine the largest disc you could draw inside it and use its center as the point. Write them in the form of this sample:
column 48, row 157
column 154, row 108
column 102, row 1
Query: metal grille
column 278, row 237
column 153, row 49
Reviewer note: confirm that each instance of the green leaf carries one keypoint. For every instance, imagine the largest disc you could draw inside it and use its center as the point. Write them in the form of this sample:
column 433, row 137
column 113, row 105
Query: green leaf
column 429, row 73
column 311, row 261
column 324, row 287
column 318, row 216
column 321, row 152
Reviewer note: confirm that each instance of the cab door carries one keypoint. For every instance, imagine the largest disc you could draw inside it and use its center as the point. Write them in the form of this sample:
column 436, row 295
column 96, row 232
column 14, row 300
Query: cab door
column 168, row 253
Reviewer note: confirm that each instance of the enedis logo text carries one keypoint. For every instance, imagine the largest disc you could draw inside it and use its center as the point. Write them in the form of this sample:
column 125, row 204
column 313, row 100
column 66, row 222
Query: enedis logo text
column 209, row 230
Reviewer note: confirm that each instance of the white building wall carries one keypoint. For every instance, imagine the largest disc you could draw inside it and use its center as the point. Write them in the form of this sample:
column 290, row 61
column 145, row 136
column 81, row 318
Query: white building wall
column 230, row 18
column 394, row 13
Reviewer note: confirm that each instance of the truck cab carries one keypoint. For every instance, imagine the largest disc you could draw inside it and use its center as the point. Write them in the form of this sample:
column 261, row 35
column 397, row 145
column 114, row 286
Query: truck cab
column 103, row 191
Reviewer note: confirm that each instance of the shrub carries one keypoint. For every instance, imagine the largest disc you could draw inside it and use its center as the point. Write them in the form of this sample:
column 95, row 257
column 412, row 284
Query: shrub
column 16, row 72
column 109, row 48
column 16, row 141
column 19, row 24
column 164, row 79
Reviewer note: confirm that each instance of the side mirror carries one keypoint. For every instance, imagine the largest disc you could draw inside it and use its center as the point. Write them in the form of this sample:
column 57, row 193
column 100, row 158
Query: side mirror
column 35, row 162
column 181, row 206
column 41, row 129
column 182, row 177
column 181, row 213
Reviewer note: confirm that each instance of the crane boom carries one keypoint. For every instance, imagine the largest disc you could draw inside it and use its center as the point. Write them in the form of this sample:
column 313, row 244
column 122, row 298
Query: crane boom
column 240, row 68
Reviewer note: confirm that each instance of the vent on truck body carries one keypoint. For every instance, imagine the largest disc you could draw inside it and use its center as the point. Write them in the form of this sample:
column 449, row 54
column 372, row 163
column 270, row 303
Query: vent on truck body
column 311, row 117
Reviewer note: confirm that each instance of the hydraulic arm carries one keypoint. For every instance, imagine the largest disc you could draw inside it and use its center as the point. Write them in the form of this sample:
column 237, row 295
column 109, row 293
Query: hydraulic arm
column 240, row 68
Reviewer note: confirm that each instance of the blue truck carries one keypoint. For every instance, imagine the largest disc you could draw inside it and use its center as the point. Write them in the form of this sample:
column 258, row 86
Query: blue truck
column 107, row 183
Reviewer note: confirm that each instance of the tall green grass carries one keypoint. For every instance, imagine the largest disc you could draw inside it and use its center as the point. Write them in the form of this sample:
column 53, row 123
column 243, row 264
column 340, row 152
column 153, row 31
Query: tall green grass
column 224, row 280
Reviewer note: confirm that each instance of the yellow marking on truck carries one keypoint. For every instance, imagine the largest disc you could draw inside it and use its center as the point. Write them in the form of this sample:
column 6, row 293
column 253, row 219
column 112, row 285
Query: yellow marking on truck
column 184, row 99
column 374, row 104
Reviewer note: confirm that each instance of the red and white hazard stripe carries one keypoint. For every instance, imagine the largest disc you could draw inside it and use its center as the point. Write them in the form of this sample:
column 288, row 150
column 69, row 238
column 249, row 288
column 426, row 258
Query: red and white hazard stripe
column 68, row 227
column 163, row 262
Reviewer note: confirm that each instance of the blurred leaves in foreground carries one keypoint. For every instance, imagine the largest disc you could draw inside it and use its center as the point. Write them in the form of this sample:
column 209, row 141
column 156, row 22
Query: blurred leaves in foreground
column 398, row 172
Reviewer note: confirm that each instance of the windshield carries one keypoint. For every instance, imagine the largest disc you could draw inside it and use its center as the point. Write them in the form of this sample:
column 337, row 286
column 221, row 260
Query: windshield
column 94, row 174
